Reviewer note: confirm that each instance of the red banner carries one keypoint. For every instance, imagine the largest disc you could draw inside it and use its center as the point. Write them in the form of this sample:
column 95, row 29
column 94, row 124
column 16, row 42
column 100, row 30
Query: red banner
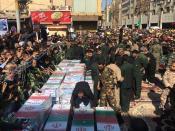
column 62, row 17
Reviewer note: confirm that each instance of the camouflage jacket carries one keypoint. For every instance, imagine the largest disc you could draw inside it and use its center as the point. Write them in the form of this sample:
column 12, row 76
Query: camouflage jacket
column 107, row 78
column 171, row 59
column 169, row 79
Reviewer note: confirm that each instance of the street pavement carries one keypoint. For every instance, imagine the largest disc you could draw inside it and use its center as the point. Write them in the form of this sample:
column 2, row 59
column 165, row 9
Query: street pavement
column 145, row 112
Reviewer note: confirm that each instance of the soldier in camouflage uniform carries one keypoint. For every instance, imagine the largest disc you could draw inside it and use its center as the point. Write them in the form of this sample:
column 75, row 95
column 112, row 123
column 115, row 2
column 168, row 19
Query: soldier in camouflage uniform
column 157, row 52
column 171, row 58
column 108, row 79
column 36, row 77
column 168, row 94
column 57, row 56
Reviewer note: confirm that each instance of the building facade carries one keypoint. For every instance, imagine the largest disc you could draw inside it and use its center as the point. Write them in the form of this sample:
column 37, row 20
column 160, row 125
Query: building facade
column 8, row 10
column 9, row 5
column 147, row 13
column 86, row 15
column 47, row 4
column 116, row 13
column 107, row 17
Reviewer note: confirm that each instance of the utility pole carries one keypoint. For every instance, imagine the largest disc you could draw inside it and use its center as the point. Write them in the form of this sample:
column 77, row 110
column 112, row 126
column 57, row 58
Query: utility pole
column 120, row 12
column 161, row 13
column 140, row 13
column 18, row 23
column 106, row 12
column 149, row 16
column 133, row 14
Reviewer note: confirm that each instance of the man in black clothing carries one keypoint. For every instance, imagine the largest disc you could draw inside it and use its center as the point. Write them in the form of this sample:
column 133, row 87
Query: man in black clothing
column 75, row 52
column 151, row 67
column 82, row 94
column 127, row 84
column 43, row 34
column 121, row 34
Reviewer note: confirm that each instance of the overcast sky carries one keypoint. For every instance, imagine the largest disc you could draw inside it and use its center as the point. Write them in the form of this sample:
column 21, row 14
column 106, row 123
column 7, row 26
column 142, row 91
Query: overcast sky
column 104, row 3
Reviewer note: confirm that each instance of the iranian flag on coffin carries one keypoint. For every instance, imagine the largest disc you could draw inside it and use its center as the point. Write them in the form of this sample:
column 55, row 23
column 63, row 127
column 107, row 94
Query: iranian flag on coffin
column 54, row 80
column 88, row 77
column 66, row 89
column 77, row 73
column 50, row 85
column 106, row 119
column 83, row 120
column 62, row 67
column 74, row 77
column 88, row 73
column 84, row 111
column 65, row 92
column 51, row 91
column 83, row 114
column 69, row 65
column 37, row 109
column 70, row 85
column 65, row 63
column 58, row 74
column 76, row 67
column 70, row 61
column 75, row 61
column 83, row 125
column 65, row 99
column 58, row 119
column 61, row 107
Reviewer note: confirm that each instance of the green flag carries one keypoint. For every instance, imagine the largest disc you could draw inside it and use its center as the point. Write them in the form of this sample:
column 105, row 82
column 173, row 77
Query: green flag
column 138, row 23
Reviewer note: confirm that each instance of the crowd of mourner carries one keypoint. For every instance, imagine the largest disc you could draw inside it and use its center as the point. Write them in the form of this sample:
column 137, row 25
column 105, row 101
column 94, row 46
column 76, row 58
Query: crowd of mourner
column 119, row 60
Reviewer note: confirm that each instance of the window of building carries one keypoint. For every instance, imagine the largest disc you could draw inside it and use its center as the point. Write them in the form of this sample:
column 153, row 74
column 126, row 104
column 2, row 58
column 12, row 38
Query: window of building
column 168, row 9
column 153, row 12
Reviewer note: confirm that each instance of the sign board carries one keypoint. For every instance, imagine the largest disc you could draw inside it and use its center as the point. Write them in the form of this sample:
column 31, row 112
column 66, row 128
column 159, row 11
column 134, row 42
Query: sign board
column 61, row 17
column 3, row 26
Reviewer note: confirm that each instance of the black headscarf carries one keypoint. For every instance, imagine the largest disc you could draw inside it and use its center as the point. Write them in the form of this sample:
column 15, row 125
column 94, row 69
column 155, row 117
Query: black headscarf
column 85, row 88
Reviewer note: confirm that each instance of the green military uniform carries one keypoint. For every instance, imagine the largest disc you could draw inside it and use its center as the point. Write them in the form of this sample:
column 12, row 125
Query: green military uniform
column 95, row 78
column 93, row 67
column 36, row 78
column 139, row 65
column 157, row 52
column 108, row 89
column 68, row 53
column 58, row 57
column 75, row 52
column 126, row 86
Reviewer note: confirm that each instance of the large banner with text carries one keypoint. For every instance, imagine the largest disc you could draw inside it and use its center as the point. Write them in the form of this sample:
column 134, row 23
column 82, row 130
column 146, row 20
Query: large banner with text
column 49, row 17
